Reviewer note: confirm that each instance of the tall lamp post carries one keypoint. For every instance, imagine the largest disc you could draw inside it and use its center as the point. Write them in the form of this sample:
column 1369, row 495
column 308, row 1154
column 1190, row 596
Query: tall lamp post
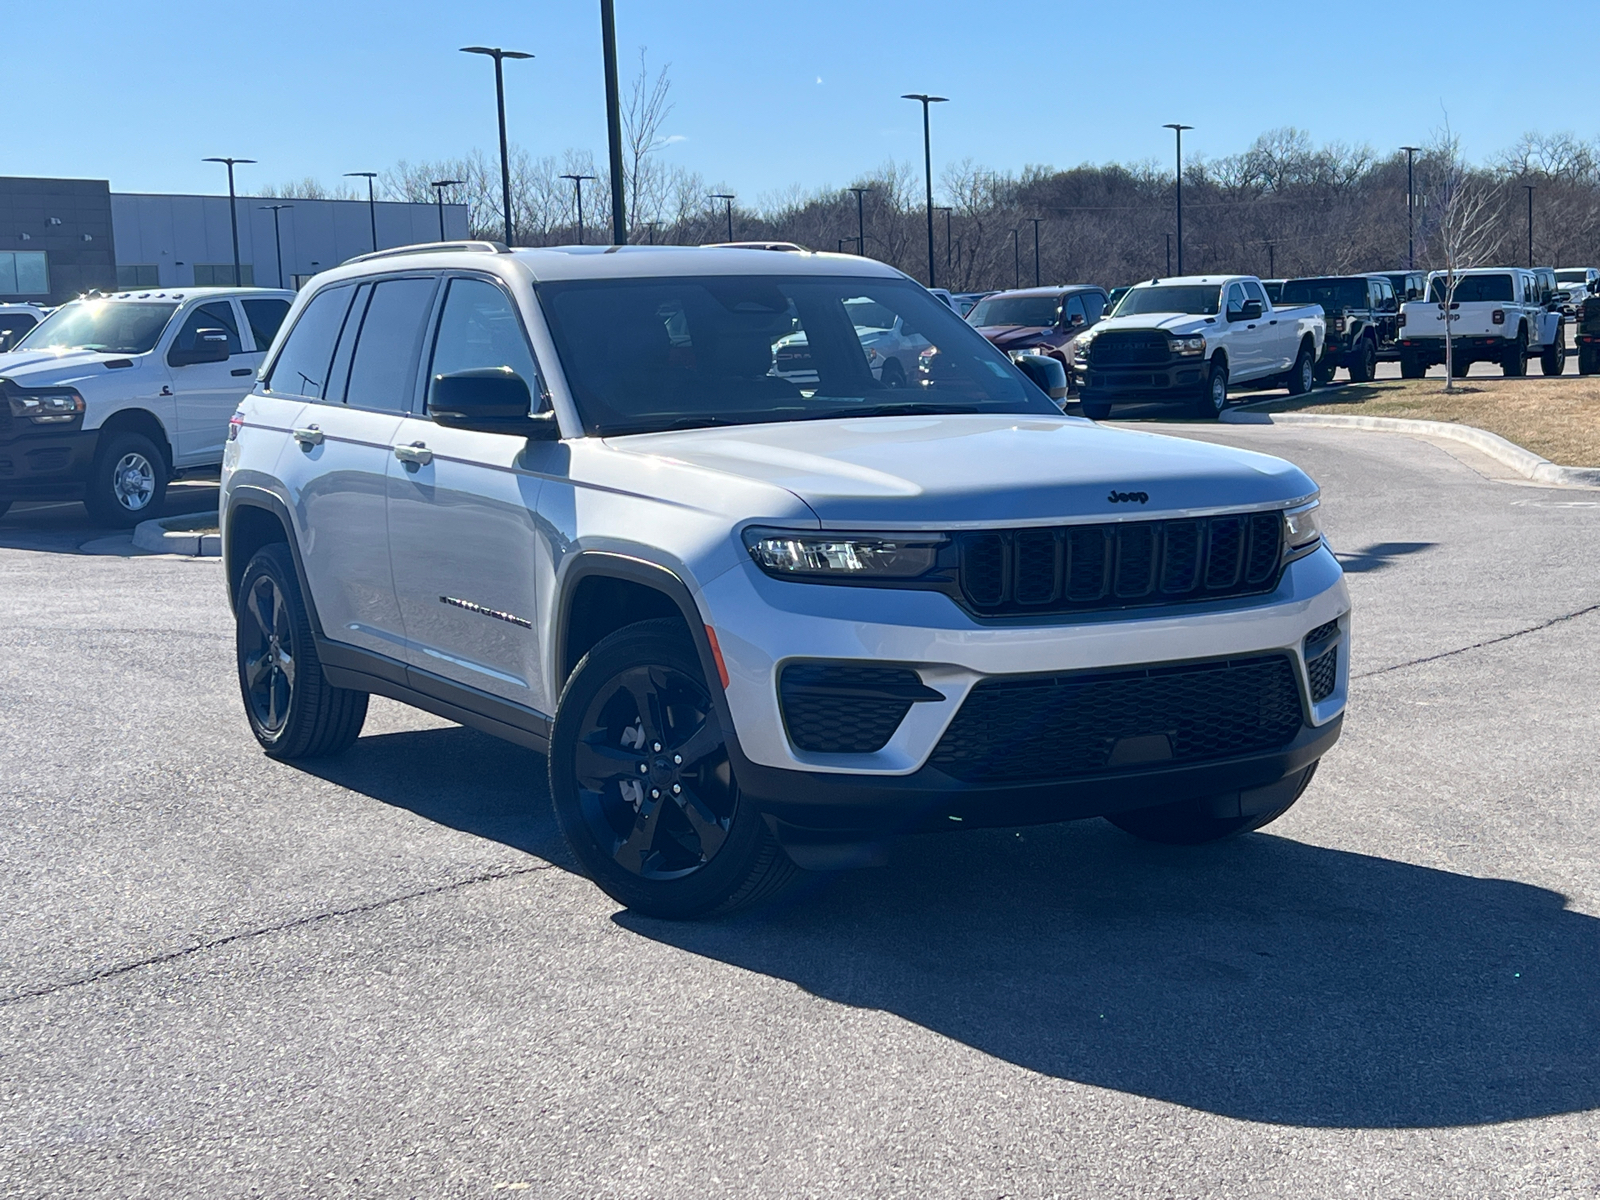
column 438, row 186
column 861, row 221
column 927, row 164
column 608, row 38
column 1530, row 187
column 651, row 226
column 1016, row 261
column 1411, row 192
column 946, row 210
column 1036, row 220
column 372, row 201
column 1178, row 129
column 577, row 183
column 726, row 198
column 277, row 240
column 233, row 208
column 499, row 55
column 1169, row 254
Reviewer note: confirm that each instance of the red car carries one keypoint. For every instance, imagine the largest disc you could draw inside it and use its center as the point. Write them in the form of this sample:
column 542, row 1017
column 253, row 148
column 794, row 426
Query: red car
column 1044, row 320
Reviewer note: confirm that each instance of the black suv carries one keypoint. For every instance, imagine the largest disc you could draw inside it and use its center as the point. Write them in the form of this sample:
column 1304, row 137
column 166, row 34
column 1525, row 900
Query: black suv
column 1363, row 316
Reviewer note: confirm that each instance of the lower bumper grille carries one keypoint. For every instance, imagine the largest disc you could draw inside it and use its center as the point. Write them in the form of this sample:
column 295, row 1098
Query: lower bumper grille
column 836, row 708
column 1047, row 727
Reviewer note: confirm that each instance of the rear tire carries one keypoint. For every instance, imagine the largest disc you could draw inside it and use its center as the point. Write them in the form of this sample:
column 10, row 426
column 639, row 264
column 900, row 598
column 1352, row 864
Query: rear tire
column 1554, row 359
column 1325, row 370
column 1186, row 823
column 1365, row 365
column 294, row 712
column 1588, row 361
column 1515, row 362
column 128, row 481
column 635, row 721
column 1302, row 376
column 1214, row 398
column 1412, row 367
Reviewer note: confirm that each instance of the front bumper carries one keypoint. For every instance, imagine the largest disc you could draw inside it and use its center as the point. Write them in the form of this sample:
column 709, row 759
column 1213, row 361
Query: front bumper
column 763, row 625
column 45, row 463
column 1143, row 381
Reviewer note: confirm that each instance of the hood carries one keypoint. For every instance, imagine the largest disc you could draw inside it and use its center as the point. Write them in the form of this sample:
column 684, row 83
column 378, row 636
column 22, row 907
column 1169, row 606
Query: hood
column 1006, row 336
column 48, row 368
column 910, row 472
column 1177, row 324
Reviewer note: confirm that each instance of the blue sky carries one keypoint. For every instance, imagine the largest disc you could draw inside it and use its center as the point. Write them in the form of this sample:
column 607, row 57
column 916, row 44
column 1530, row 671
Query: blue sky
column 767, row 96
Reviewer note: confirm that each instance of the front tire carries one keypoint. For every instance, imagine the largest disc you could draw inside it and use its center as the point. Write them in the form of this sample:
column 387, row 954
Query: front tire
column 1365, row 365
column 1187, row 823
column 128, row 481
column 1302, row 376
column 1093, row 407
column 1215, row 396
column 294, row 712
column 1553, row 360
column 643, row 787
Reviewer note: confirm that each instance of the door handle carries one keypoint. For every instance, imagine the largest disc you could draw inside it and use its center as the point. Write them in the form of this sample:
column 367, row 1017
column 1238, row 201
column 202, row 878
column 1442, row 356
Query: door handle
column 1272, row 322
column 308, row 437
column 241, row 371
column 416, row 454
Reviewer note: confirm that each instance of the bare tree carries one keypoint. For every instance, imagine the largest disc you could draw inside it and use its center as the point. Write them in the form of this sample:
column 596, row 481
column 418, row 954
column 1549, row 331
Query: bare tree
column 643, row 118
column 1467, row 229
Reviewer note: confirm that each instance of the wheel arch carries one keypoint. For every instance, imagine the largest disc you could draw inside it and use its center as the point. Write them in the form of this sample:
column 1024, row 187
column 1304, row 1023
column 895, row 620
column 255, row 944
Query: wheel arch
column 141, row 421
column 257, row 518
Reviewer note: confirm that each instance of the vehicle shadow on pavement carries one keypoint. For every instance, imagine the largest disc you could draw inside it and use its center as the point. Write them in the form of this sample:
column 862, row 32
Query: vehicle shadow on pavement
column 1379, row 555
column 1262, row 979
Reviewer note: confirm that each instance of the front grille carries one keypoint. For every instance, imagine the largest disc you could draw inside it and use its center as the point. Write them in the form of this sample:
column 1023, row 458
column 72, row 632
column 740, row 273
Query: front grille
column 835, row 708
column 1047, row 727
column 1083, row 568
column 1129, row 348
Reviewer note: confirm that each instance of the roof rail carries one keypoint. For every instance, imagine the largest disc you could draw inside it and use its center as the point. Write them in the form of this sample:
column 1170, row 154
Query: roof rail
column 431, row 247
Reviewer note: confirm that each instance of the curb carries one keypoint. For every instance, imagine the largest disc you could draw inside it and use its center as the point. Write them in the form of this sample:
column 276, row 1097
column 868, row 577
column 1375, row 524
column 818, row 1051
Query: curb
column 168, row 535
column 1524, row 462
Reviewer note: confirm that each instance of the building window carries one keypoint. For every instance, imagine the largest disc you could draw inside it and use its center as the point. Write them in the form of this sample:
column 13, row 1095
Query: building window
column 24, row 273
column 221, row 275
column 129, row 278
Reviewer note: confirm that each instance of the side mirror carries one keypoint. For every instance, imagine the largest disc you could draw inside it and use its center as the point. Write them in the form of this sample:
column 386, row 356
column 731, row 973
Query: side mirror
column 489, row 400
column 1046, row 372
column 1250, row 312
column 210, row 346
column 1075, row 321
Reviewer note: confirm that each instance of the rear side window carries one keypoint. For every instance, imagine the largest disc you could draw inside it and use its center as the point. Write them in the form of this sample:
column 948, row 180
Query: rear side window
column 1094, row 304
column 1075, row 308
column 265, row 316
column 216, row 315
column 383, row 370
column 1253, row 290
column 479, row 328
column 302, row 365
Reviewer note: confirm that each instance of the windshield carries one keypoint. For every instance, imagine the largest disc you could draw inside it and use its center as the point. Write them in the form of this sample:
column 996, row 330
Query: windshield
column 1472, row 289
column 1330, row 293
column 111, row 327
column 643, row 355
column 1581, row 275
column 1198, row 298
column 1016, row 310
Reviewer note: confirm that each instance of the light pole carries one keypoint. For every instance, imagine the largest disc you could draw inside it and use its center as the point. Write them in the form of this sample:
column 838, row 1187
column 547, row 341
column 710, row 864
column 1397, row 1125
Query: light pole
column 233, row 208
column 1169, row 254
column 651, row 226
column 1272, row 261
column 861, row 221
column 1036, row 221
column 372, row 203
column 438, row 186
column 577, row 183
column 1411, row 192
column 1530, row 187
column 498, row 55
column 608, row 38
column 1016, row 262
column 927, row 164
column 726, row 198
column 946, row 210
column 1178, row 129
column 277, row 241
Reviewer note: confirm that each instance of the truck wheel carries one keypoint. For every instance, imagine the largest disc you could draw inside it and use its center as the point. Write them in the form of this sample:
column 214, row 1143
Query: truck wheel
column 1515, row 362
column 1093, row 407
column 1554, row 359
column 1365, row 364
column 293, row 710
column 1302, row 376
column 1325, row 369
column 642, row 785
column 1214, row 398
column 1188, row 824
column 1412, row 367
column 894, row 375
column 128, row 481
column 1588, row 361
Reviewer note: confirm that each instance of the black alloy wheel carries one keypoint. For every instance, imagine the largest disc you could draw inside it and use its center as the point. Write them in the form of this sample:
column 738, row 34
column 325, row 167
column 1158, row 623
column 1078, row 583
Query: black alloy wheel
column 643, row 787
column 266, row 654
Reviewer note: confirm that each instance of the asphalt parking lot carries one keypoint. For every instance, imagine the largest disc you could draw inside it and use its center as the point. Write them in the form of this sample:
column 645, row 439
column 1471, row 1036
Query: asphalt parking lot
column 379, row 976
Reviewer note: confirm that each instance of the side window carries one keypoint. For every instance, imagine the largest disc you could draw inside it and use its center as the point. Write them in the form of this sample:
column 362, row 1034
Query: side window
column 216, row 315
column 301, row 368
column 1252, row 289
column 383, row 370
column 479, row 328
column 1095, row 305
column 1075, row 309
column 1235, row 301
column 265, row 316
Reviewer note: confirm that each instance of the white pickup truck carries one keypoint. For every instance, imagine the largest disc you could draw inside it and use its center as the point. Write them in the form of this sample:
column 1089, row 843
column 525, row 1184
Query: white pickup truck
column 1499, row 315
column 1192, row 338
column 109, row 396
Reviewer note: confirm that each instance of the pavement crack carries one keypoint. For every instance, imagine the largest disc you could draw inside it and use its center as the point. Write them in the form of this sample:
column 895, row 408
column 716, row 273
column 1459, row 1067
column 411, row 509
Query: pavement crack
column 156, row 960
column 1494, row 641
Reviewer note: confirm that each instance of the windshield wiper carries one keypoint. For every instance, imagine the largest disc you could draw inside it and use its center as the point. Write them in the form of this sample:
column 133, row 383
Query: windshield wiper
column 908, row 408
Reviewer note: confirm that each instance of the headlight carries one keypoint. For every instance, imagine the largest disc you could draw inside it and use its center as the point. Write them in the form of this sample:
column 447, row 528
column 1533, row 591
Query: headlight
column 1029, row 352
column 1302, row 531
column 55, row 407
column 1080, row 348
column 835, row 556
column 1189, row 345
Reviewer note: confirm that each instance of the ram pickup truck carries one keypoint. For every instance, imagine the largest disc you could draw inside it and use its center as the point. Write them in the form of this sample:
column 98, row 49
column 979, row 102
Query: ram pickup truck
column 1498, row 314
column 109, row 396
column 1191, row 339
column 1363, row 318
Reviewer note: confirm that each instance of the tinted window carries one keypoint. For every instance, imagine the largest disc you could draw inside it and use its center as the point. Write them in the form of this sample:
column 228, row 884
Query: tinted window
column 479, row 328
column 1016, row 310
column 265, row 316
column 1075, row 308
column 112, row 327
column 302, row 365
column 1335, row 295
column 1094, row 304
column 1476, row 289
column 1253, row 290
column 1235, row 299
column 1581, row 275
column 13, row 326
column 1194, row 298
column 216, row 315
column 383, row 371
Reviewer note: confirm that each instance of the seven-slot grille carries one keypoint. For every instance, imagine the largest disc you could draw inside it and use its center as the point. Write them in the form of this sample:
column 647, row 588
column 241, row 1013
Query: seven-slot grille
column 1083, row 568
column 1046, row 727
column 1129, row 348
